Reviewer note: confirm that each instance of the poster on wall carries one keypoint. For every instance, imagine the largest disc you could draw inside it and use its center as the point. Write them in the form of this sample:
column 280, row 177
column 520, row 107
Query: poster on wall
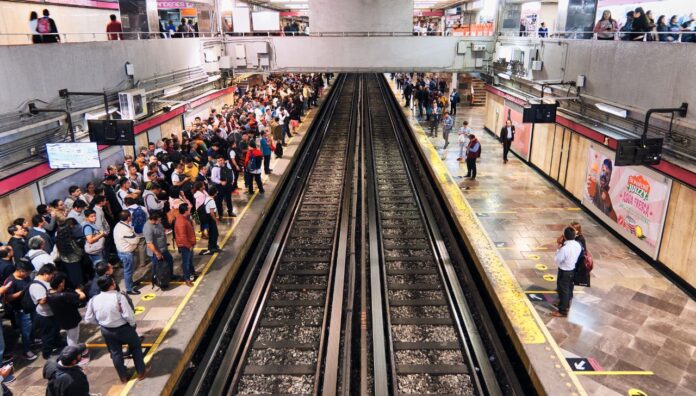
column 523, row 132
column 630, row 199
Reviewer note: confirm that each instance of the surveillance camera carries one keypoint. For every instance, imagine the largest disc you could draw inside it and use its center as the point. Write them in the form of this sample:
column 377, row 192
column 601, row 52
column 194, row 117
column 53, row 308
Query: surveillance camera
column 63, row 93
column 166, row 109
column 32, row 109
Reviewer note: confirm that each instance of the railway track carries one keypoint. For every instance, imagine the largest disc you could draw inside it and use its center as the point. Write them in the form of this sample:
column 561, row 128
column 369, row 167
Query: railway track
column 355, row 253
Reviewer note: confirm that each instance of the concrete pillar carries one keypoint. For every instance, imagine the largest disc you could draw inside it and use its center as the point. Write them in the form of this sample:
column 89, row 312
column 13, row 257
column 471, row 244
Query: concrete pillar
column 139, row 16
column 454, row 84
column 361, row 16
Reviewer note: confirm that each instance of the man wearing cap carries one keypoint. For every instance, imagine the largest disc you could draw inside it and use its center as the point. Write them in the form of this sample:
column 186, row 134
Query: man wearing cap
column 65, row 376
column 110, row 310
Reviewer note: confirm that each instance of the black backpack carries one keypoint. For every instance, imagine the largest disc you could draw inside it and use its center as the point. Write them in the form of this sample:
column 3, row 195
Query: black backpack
column 28, row 305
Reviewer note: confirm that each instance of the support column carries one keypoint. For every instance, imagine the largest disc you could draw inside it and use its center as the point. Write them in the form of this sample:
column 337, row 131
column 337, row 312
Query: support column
column 139, row 16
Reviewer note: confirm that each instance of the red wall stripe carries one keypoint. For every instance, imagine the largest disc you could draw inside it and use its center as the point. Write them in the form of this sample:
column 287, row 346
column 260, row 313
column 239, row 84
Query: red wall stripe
column 672, row 170
column 35, row 173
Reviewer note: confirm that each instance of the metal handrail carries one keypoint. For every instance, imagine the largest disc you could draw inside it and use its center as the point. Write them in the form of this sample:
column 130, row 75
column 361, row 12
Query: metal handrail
column 585, row 35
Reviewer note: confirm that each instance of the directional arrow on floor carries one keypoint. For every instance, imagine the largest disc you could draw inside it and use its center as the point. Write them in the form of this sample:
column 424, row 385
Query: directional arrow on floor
column 580, row 364
column 535, row 297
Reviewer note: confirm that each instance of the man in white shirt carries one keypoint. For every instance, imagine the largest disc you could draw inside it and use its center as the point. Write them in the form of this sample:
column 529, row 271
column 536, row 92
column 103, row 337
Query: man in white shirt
column 36, row 254
column 569, row 250
column 125, row 191
column 112, row 313
column 77, row 211
column 463, row 139
column 44, row 322
column 127, row 242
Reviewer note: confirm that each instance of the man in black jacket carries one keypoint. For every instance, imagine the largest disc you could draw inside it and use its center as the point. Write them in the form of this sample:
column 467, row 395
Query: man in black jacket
column 65, row 376
column 507, row 135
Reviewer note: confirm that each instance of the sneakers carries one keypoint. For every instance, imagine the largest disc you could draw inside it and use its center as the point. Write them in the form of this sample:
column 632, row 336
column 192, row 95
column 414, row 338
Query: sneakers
column 133, row 292
column 206, row 252
column 30, row 356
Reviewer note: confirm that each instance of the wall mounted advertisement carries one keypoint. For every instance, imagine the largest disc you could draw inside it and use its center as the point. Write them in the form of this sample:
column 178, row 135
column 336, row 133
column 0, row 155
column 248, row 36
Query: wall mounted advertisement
column 523, row 132
column 630, row 199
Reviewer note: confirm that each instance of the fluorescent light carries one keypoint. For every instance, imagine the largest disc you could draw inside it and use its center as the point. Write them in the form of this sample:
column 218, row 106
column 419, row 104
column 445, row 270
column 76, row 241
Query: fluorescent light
column 173, row 90
column 297, row 6
column 617, row 111
column 504, row 76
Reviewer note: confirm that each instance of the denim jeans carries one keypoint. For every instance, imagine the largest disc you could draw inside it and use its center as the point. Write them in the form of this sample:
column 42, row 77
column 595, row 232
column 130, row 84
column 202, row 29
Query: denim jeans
column 96, row 258
column 128, row 267
column 187, row 262
column 24, row 322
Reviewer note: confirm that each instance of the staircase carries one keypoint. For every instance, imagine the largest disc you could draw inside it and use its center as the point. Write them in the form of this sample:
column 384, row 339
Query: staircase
column 479, row 96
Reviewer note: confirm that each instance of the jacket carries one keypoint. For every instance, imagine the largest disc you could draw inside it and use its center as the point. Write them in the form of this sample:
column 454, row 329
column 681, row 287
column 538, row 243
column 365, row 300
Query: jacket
column 473, row 150
column 65, row 381
column 251, row 152
column 125, row 238
column 184, row 233
column 503, row 133
column 265, row 147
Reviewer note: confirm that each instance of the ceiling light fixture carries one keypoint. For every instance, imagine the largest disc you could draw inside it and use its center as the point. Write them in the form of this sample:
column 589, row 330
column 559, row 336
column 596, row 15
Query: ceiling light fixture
column 617, row 111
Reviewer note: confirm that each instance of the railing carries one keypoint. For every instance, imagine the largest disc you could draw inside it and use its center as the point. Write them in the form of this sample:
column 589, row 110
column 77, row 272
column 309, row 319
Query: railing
column 26, row 38
column 668, row 37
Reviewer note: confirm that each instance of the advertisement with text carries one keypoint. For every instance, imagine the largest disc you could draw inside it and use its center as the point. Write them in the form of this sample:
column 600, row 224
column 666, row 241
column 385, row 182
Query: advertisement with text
column 631, row 199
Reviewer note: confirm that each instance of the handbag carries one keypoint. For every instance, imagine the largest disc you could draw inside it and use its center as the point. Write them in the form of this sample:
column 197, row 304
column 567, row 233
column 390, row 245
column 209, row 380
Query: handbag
column 96, row 247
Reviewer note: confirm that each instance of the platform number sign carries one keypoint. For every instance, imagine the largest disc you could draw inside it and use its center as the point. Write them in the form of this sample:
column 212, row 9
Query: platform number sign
column 580, row 364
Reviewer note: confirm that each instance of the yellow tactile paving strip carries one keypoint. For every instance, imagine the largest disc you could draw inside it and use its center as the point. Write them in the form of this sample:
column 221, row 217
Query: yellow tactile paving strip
column 540, row 352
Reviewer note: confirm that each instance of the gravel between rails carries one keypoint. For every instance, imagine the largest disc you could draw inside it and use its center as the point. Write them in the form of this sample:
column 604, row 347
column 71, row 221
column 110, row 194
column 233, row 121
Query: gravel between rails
column 275, row 384
column 416, row 384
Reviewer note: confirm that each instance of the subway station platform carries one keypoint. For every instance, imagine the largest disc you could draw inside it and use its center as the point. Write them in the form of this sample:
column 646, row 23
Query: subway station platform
column 172, row 322
column 632, row 331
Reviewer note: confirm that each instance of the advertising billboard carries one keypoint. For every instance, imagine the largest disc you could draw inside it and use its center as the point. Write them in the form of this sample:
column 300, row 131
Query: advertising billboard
column 523, row 132
column 630, row 199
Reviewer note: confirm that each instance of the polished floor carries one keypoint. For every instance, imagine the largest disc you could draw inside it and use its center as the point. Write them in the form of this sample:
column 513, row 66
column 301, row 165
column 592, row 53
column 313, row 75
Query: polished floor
column 636, row 328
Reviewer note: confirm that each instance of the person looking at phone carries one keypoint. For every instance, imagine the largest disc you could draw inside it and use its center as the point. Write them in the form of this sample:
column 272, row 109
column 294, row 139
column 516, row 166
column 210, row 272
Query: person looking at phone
column 94, row 237
column 606, row 27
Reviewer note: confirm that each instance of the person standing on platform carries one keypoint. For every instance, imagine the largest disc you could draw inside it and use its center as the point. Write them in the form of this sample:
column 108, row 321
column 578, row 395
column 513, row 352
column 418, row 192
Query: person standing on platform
column 447, row 125
column 156, row 242
column 33, row 22
column 114, row 28
column 222, row 177
column 408, row 91
column 569, row 250
column 65, row 376
column 210, row 209
column 127, row 242
column 111, row 311
column 462, row 137
column 507, row 136
column 44, row 321
column 473, row 152
column 185, row 236
column 252, row 168
column 454, row 101
column 582, row 273
column 266, row 150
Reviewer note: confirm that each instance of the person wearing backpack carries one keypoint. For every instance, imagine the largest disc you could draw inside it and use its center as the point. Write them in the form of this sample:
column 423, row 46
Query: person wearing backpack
column 156, row 242
column 584, row 264
column 210, row 211
column 94, row 237
column 47, row 28
column 222, row 177
column 473, row 152
column 65, row 376
column 252, row 168
column 36, row 301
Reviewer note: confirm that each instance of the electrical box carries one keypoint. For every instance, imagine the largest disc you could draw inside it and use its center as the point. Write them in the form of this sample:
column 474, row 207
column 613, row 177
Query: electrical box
column 226, row 62
column 580, row 83
column 479, row 47
column 537, row 65
column 461, row 48
column 133, row 104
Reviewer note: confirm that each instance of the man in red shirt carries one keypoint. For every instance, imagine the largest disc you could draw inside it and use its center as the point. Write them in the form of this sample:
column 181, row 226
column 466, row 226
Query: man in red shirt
column 114, row 27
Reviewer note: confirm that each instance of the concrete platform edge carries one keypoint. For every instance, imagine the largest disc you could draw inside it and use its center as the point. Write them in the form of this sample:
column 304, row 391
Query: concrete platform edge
column 542, row 357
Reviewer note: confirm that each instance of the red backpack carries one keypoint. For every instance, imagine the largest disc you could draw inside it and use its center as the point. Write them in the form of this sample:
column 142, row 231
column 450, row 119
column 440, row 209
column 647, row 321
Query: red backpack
column 43, row 26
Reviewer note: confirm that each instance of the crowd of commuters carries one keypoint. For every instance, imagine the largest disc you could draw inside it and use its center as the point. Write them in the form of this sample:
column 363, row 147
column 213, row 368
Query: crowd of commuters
column 642, row 26
column 63, row 257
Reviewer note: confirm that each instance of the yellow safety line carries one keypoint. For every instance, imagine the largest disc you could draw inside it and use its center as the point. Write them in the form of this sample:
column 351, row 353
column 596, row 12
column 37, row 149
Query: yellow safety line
column 550, row 292
column 191, row 291
column 148, row 345
column 614, row 373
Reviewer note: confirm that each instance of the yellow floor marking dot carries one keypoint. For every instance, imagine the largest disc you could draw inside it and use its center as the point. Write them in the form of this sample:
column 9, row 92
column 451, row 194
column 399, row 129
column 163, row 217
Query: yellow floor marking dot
column 139, row 310
column 541, row 267
column 636, row 392
column 148, row 297
column 533, row 256
column 549, row 278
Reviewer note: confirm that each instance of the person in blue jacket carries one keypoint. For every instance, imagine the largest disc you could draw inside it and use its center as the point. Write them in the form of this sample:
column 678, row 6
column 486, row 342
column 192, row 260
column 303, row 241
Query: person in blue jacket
column 266, row 150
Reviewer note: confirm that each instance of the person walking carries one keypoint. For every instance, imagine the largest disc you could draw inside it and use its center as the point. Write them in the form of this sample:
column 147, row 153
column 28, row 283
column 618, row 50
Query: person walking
column 185, row 237
column 114, row 28
column 462, row 137
column 447, row 125
column 569, row 250
column 114, row 316
column 507, row 136
column 473, row 152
